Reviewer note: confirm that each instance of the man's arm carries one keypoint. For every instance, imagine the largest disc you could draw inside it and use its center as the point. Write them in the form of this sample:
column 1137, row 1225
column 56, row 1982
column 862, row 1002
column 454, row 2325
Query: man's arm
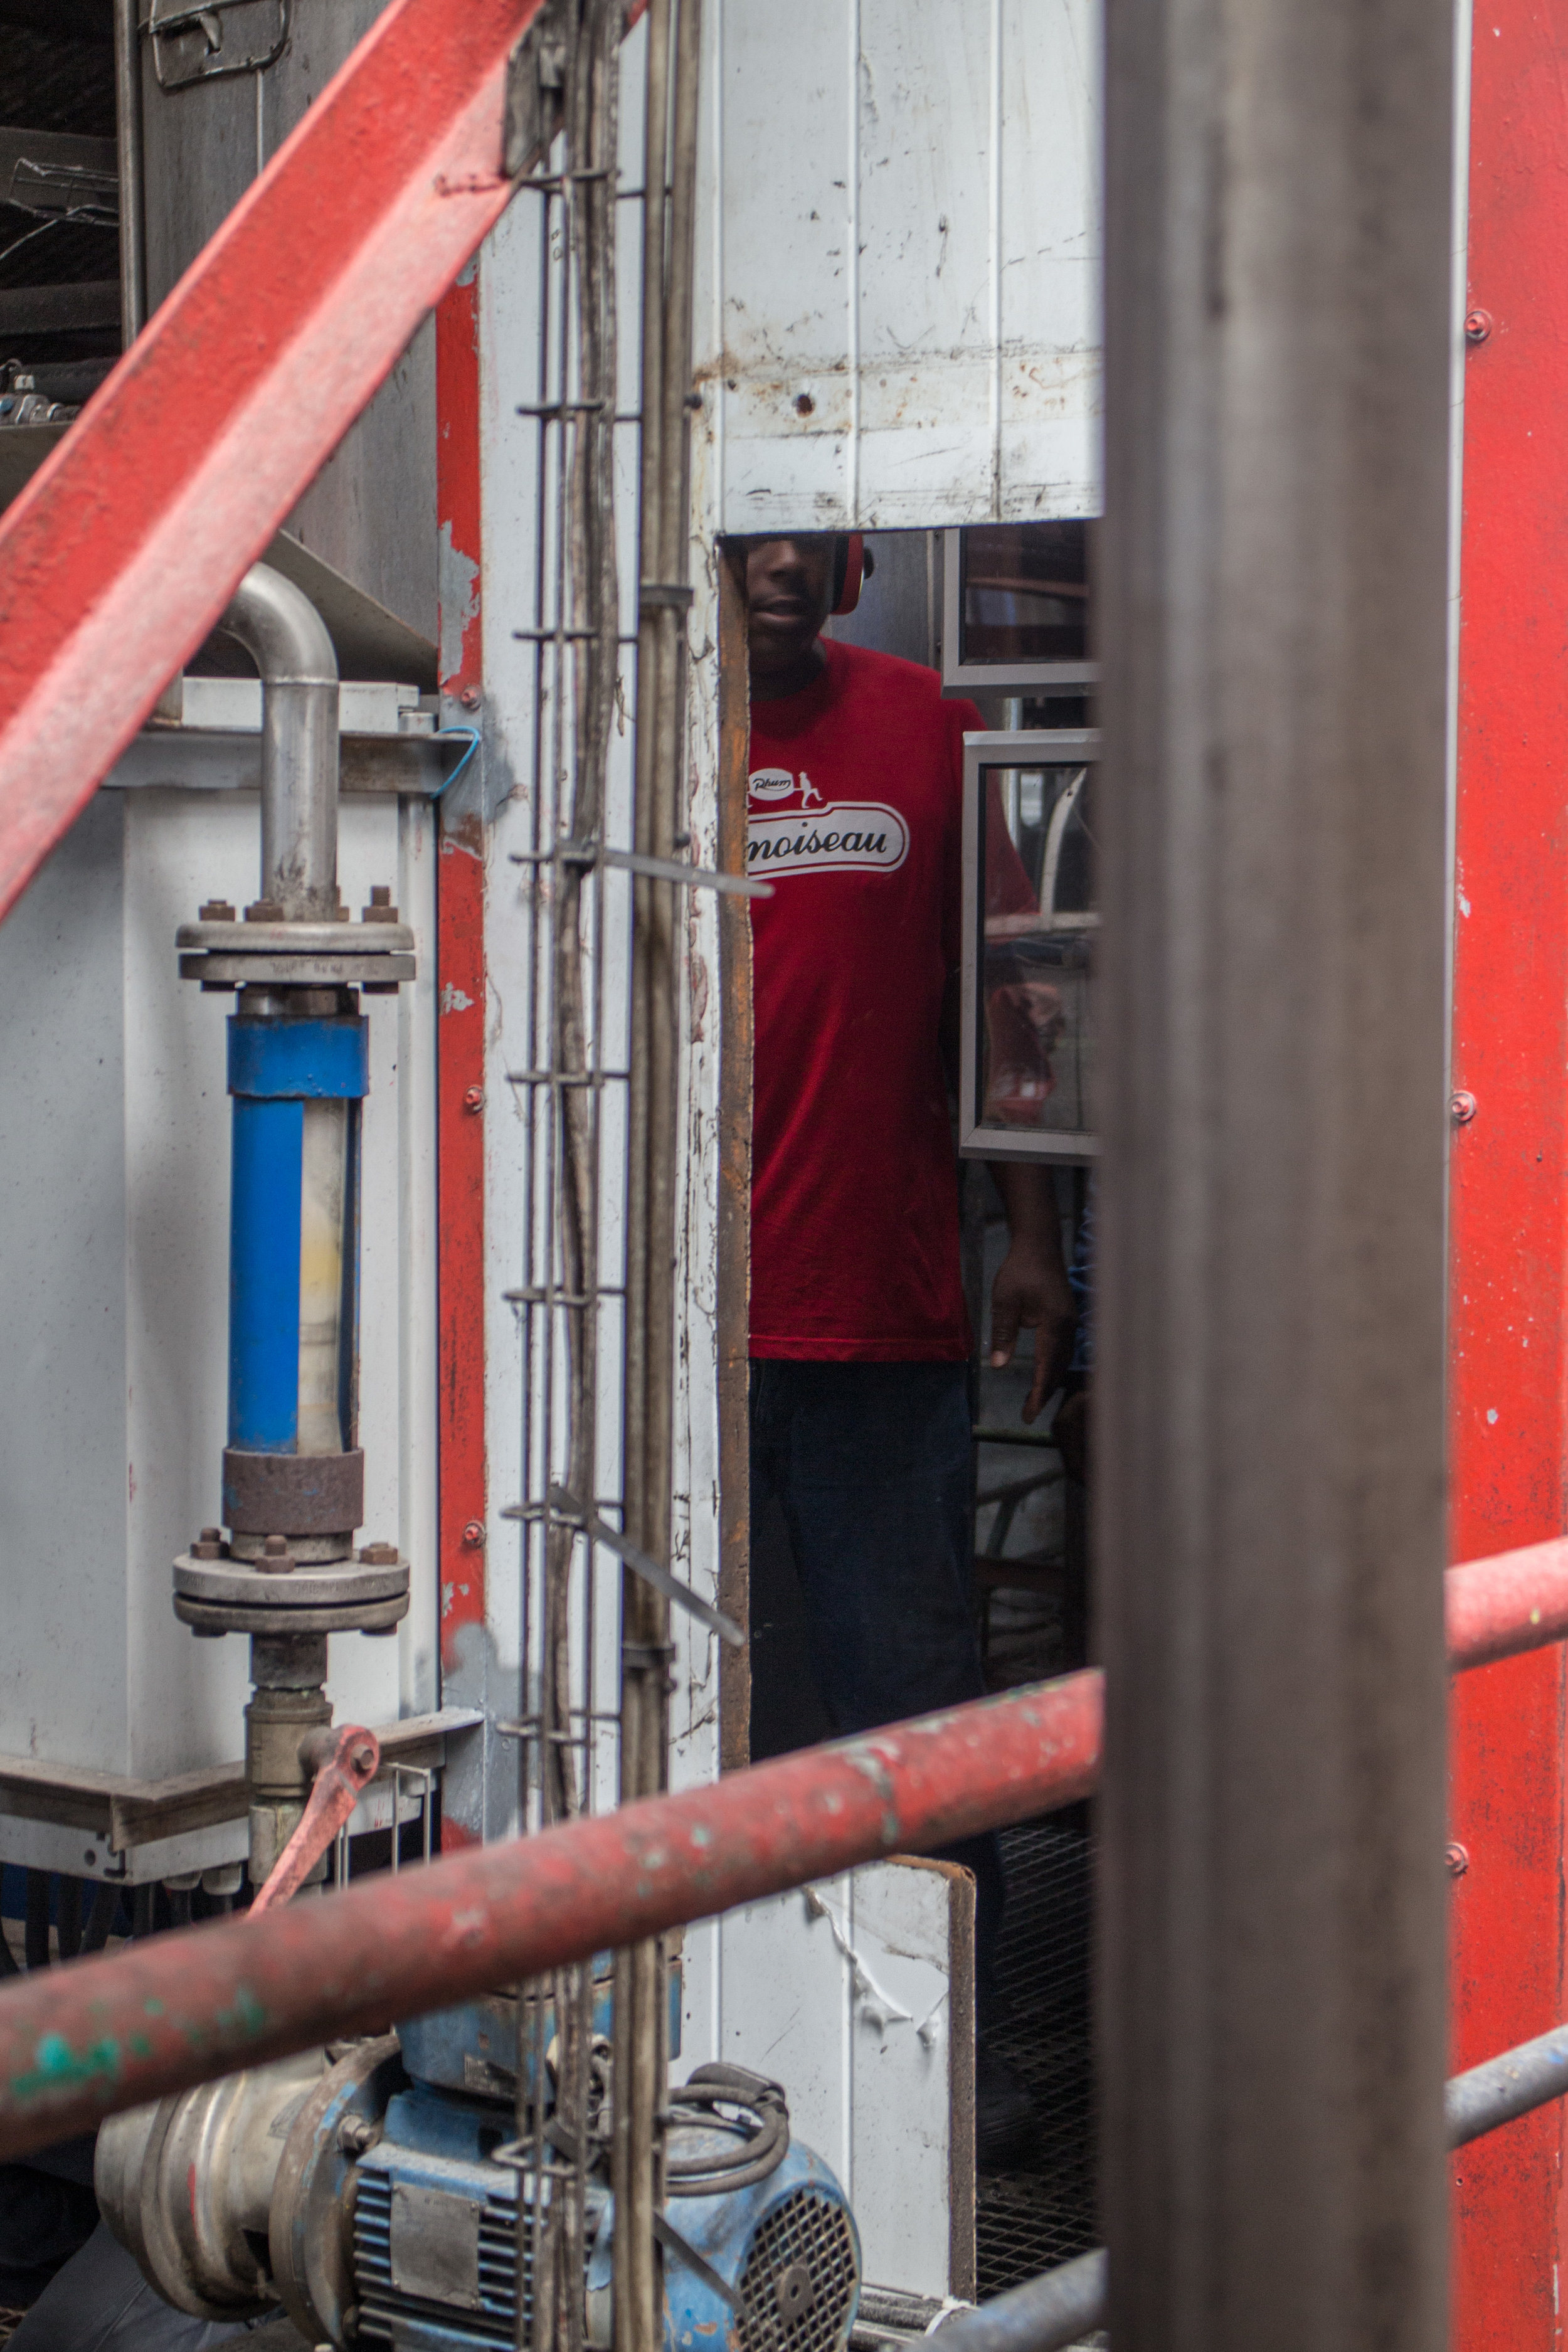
column 1031, row 1290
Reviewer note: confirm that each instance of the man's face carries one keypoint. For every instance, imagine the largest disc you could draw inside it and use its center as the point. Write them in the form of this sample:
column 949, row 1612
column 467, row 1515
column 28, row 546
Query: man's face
column 789, row 594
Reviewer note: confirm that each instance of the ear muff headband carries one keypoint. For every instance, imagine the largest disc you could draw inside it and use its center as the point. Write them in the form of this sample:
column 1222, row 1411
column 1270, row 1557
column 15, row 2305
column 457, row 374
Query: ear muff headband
column 849, row 570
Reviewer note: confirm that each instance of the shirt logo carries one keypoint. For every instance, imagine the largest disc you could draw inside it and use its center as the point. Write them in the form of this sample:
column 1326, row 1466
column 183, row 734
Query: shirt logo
column 771, row 783
column 839, row 836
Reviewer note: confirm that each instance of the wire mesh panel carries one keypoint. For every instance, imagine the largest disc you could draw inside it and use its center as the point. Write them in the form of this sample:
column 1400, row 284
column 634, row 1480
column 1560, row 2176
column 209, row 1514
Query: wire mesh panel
column 597, row 1139
column 1027, row 2221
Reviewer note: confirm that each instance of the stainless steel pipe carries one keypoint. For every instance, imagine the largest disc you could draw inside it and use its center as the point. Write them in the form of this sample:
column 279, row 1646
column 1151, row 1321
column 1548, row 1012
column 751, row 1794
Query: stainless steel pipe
column 128, row 123
column 287, row 638
column 1044, row 2315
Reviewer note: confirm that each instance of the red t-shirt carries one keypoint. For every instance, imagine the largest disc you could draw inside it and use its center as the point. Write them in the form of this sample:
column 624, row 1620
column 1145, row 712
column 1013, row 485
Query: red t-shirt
column 856, row 799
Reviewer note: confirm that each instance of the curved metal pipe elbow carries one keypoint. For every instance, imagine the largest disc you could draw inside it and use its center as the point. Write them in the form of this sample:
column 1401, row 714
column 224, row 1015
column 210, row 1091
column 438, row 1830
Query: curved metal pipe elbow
column 287, row 640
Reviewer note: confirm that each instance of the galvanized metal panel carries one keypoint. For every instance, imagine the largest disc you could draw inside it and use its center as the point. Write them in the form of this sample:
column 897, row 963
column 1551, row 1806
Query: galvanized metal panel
column 371, row 510
column 902, row 322
column 62, row 1339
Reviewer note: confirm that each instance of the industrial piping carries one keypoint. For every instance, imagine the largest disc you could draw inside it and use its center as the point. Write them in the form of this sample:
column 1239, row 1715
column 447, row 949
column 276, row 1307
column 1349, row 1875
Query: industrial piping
column 1062, row 2306
column 82, row 2042
column 287, row 638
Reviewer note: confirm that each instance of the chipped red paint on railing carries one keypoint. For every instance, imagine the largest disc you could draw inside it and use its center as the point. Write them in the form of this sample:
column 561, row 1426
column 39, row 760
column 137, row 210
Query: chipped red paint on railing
column 81, row 2041
column 1499, row 1608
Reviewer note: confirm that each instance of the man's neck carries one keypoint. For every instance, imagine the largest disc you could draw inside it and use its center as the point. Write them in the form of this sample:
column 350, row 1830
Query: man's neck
column 773, row 685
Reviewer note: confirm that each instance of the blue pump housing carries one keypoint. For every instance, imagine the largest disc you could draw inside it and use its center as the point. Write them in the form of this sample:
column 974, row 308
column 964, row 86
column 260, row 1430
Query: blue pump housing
column 439, row 2261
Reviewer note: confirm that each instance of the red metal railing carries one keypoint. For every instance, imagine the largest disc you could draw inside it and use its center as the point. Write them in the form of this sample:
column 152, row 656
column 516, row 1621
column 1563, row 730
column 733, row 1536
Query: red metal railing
column 79, row 2042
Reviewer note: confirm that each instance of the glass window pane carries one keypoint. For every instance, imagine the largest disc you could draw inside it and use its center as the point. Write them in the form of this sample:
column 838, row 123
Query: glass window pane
column 1033, row 1054
column 1025, row 593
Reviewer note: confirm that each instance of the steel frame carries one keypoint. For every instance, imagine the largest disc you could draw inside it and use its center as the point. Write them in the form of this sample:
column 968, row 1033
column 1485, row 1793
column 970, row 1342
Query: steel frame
column 1508, row 1330
column 462, row 1515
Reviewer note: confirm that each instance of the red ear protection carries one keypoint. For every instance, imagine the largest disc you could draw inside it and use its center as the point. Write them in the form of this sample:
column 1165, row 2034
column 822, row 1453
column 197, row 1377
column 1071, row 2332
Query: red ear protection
column 849, row 570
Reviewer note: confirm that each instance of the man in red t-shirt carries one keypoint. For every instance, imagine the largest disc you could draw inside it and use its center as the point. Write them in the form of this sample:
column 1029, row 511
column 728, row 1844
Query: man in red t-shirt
column 859, row 1340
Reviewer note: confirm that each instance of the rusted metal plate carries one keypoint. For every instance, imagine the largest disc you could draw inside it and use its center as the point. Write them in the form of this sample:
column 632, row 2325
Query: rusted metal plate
column 905, row 330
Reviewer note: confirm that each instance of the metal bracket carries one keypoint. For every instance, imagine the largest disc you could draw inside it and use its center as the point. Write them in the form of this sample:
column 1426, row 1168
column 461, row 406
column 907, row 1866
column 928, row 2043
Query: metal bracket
column 589, row 854
column 568, row 1512
column 536, row 89
column 198, row 31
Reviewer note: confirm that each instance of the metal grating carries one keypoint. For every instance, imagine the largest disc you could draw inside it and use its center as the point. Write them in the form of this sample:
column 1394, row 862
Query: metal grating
column 813, row 2231
column 1027, row 2221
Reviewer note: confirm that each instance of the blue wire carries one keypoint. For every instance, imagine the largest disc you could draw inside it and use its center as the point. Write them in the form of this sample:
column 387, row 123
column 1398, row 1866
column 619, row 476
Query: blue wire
column 447, row 734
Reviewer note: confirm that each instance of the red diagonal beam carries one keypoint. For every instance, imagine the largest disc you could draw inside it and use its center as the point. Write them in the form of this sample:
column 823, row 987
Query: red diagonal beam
column 124, row 549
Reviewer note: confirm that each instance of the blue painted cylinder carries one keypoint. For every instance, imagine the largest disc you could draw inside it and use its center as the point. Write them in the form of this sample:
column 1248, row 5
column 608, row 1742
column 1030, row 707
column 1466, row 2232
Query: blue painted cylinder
column 288, row 1078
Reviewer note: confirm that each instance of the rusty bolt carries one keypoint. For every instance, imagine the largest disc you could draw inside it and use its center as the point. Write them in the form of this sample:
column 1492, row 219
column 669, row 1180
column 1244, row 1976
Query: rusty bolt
column 209, row 1544
column 474, row 1533
column 1458, row 1860
column 804, row 404
column 264, row 910
column 214, row 910
column 1478, row 326
column 355, row 2133
column 362, row 1759
column 474, row 1099
column 275, row 1557
column 379, row 893
column 381, row 909
column 1461, row 1107
column 470, row 698
column 379, row 1555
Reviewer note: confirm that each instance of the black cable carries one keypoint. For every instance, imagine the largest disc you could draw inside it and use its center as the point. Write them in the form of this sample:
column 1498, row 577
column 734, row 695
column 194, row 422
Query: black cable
column 35, row 1937
column 752, row 2158
column 68, row 1917
column 100, row 1917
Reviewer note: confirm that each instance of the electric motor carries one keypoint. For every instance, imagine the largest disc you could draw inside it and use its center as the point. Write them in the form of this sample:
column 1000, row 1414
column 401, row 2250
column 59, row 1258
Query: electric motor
column 400, row 2212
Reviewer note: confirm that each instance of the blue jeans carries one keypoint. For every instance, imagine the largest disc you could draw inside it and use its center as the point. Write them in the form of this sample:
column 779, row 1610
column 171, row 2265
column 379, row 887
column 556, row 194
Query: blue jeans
column 870, row 1464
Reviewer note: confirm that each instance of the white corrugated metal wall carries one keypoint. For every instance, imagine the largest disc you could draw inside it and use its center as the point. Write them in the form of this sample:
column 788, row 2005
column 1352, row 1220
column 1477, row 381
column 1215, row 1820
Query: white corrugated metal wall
column 899, row 320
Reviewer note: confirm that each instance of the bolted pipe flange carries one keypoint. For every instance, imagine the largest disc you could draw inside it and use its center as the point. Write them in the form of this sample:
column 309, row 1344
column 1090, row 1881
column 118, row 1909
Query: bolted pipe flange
column 264, row 950
column 286, row 1594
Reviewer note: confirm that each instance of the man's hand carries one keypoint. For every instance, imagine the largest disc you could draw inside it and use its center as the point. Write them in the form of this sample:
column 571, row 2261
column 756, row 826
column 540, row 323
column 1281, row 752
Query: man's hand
column 1031, row 1291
